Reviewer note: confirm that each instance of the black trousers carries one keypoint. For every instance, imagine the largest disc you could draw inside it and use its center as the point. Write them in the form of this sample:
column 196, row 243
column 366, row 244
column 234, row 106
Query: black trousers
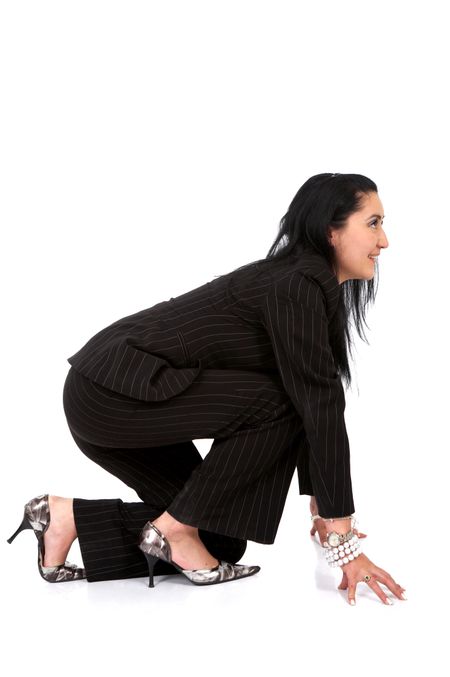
column 237, row 492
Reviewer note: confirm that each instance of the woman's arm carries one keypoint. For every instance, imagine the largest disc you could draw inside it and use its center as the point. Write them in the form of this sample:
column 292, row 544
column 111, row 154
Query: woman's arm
column 296, row 321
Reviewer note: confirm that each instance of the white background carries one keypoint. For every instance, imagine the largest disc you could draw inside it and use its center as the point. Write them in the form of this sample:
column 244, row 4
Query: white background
column 147, row 147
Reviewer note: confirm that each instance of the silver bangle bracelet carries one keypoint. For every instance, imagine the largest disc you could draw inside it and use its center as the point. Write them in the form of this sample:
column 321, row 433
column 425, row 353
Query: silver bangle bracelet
column 331, row 519
column 354, row 521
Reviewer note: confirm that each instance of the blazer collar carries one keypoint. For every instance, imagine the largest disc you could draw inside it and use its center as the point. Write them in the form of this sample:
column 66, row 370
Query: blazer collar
column 313, row 265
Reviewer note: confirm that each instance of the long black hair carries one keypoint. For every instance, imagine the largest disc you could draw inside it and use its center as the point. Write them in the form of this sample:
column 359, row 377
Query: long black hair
column 324, row 201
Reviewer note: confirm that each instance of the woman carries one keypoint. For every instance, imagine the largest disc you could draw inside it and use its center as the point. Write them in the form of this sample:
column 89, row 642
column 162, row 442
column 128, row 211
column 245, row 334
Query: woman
column 254, row 360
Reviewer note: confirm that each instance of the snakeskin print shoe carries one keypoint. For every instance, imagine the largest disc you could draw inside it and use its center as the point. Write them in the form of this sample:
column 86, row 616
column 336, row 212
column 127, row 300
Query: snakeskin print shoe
column 36, row 516
column 155, row 546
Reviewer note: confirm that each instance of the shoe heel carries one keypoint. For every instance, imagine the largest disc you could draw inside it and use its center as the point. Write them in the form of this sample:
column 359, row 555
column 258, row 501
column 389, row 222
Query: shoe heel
column 24, row 525
column 151, row 561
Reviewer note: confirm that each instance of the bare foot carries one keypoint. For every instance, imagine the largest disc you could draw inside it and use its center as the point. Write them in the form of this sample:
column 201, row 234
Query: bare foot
column 61, row 532
column 188, row 550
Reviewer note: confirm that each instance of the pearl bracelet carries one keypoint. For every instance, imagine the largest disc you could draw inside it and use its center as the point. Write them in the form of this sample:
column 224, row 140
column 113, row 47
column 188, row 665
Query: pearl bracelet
column 344, row 553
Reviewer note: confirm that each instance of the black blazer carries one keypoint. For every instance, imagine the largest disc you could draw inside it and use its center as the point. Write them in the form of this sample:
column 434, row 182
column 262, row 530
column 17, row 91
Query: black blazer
column 264, row 318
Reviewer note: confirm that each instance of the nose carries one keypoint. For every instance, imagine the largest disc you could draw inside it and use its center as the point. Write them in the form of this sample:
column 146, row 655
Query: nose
column 383, row 241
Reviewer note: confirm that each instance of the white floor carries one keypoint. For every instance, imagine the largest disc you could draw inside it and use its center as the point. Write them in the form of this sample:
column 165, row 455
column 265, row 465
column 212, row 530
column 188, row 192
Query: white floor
column 138, row 136
column 288, row 618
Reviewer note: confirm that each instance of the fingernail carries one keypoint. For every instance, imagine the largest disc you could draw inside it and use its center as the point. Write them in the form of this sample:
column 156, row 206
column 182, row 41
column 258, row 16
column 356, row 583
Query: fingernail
column 389, row 601
column 403, row 596
column 352, row 602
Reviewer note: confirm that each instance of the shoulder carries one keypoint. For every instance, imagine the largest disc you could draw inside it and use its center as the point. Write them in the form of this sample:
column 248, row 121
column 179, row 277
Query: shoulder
column 298, row 288
column 303, row 279
column 311, row 281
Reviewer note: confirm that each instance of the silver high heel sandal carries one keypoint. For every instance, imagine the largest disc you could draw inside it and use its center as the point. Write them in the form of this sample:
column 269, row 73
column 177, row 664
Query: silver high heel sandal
column 36, row 516
column 155, row 546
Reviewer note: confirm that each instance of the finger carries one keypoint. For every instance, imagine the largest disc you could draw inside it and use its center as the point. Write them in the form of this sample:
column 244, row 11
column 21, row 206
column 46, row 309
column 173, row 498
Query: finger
column 323, row 535
column 321, row 532
column 378, row 591
column 343, row 585
column 387, row 580
column 359, row 533
column 352, row 592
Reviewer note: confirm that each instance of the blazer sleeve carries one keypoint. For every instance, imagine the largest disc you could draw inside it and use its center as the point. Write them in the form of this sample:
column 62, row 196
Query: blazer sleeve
column 296, row 321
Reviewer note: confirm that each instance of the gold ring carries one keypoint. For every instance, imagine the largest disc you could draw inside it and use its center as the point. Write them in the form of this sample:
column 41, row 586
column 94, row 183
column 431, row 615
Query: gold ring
column 367, row 578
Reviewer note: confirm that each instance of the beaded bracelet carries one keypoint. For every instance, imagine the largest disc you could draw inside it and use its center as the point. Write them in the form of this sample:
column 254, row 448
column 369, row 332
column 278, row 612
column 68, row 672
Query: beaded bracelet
column 344, row 553
column 348, row 550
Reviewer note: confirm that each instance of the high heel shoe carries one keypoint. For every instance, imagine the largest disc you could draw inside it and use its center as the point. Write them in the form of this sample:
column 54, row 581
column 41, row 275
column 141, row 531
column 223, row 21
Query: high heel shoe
column 36, row 516
column 155, row 546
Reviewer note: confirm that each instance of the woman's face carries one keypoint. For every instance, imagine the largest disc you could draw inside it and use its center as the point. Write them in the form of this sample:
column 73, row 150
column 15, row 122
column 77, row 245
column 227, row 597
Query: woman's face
column 362, row 236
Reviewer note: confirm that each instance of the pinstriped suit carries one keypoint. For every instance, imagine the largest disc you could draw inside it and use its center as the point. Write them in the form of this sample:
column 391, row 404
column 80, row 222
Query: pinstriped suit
column 244, row 359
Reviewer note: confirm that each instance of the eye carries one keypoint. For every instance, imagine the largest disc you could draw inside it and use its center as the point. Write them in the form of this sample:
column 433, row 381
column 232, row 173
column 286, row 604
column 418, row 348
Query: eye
column 374, row 223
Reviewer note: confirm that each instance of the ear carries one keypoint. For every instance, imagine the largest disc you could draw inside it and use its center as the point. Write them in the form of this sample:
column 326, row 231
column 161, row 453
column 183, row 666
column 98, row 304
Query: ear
column 330, row 235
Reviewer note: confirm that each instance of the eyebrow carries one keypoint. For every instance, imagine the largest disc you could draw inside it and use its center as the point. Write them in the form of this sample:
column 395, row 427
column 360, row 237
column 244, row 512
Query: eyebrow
column 378, row 215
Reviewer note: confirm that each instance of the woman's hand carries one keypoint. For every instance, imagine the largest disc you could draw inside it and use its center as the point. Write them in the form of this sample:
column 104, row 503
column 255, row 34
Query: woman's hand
column 354, row 572
column 320, row 525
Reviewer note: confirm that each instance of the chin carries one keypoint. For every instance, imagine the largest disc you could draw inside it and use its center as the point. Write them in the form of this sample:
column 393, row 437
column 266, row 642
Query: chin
column 366, row 276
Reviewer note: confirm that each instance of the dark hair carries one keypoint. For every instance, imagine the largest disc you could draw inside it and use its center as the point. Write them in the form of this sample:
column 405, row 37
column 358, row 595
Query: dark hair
column 326, row 200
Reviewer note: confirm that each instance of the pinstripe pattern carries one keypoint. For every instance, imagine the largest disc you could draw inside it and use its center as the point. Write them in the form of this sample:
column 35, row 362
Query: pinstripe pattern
column 108, row 531
column 238, row 490
column 299, row 332
column 265, row 319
